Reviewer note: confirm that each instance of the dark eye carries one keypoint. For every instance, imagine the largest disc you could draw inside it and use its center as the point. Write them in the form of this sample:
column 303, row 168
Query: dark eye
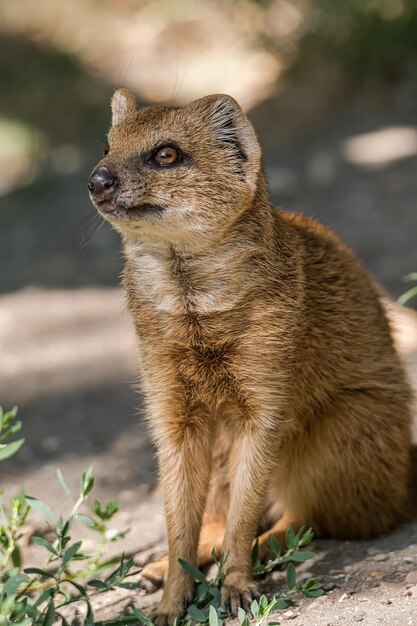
column 106, row 150
column 166, row 156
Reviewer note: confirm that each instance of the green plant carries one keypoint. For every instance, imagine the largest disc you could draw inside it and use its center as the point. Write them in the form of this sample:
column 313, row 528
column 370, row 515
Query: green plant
column 206, row 608
column 411, row 293
column 37, row 595
column 8, row 428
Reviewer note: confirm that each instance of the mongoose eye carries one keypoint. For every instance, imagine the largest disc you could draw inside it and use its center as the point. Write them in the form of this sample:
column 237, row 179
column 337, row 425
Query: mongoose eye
column 166, row 156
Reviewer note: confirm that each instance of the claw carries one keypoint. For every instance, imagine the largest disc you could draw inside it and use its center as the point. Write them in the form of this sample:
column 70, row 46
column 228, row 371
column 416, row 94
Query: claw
column 235, row 596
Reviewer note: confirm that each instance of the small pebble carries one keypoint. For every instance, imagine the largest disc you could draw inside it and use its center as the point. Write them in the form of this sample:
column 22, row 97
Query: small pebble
column 411, row 577
column 386, row 601
column 359, row 617
column 372, row 551
column 408, row 559
column 343, row 597
column 381, row 557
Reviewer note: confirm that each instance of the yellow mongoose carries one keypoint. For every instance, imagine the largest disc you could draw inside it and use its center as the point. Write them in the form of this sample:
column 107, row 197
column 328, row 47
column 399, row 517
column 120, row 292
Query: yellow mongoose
column 272, row 386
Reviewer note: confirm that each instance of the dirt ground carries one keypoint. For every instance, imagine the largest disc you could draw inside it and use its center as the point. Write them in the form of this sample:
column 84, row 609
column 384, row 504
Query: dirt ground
column 68, row 351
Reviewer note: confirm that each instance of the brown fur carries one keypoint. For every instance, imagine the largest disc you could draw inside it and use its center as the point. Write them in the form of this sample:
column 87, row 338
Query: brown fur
column 272, row 385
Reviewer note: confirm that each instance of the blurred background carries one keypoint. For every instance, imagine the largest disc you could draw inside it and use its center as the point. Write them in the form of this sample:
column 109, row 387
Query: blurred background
column 331, row 87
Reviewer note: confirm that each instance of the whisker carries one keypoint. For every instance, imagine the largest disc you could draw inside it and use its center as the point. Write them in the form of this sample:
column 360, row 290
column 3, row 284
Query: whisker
column 182, row 79
column 129, row 61
column 176, row 72
column 87, row 237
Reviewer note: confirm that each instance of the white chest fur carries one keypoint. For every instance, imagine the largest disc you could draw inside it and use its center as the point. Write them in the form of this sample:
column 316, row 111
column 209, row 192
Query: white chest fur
column 206, row 283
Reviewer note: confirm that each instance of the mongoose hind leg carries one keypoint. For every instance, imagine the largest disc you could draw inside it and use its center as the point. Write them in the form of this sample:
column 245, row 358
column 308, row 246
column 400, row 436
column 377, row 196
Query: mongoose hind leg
column 278, row 530
column 347, row 473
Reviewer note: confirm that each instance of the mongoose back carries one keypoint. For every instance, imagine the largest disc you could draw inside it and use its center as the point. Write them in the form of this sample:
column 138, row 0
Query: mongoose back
column 273, row 391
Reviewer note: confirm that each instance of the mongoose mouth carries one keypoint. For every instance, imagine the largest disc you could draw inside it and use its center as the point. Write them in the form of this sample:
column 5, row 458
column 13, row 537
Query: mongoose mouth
column 113, row 210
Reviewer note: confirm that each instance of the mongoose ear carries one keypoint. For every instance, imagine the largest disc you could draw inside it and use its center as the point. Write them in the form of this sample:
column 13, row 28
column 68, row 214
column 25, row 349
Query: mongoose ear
column 231, row 126
column 123, row 103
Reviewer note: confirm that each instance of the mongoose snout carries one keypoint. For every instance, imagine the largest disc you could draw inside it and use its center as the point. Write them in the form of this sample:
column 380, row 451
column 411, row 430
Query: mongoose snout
column 102, row 183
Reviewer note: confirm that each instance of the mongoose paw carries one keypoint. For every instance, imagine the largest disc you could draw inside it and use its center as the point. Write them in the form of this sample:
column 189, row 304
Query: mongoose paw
column 238, row 595
column 156, row 572
column 166, row 612
column 164, row 619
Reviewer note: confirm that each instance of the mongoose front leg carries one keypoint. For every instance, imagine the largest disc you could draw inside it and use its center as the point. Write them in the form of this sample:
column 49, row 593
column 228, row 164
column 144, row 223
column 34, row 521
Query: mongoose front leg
column 251, row 476
column 211, row 538
column 183, row 441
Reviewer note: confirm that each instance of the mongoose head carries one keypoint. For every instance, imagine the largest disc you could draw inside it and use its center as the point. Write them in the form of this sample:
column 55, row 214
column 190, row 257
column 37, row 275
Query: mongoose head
column 181, row 175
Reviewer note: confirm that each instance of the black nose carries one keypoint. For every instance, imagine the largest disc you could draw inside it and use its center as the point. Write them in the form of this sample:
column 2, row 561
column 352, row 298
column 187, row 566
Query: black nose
column 102, row 182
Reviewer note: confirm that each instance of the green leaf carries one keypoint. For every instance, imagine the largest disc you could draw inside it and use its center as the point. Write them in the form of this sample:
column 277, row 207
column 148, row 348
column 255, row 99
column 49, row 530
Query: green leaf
column 45, row 544
column 50, row 614
column 129, row 585
column 241, row 614
column 313, row 593
column 291, row 576
column 90, row 522
column 300, row 557
column 193, row 571
column 43, row 597
column 64, row 485
column 16, row 557
column 6, row 418
column 97, row 584
column 38, row 572
column 280, row 603
column 307, row 537
column 254, row 607
column 142, row 616
column 43, row 508
column 196, row 613
column 87, row 481
column 89, row 620
column 12, row 584
column 290, row 538
column 12, row 430
column 8, row 449
column 310, row 583
column 274, row 545
column 213, row 617
column 245, row 621
column 71, row 552
column 107, row 511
